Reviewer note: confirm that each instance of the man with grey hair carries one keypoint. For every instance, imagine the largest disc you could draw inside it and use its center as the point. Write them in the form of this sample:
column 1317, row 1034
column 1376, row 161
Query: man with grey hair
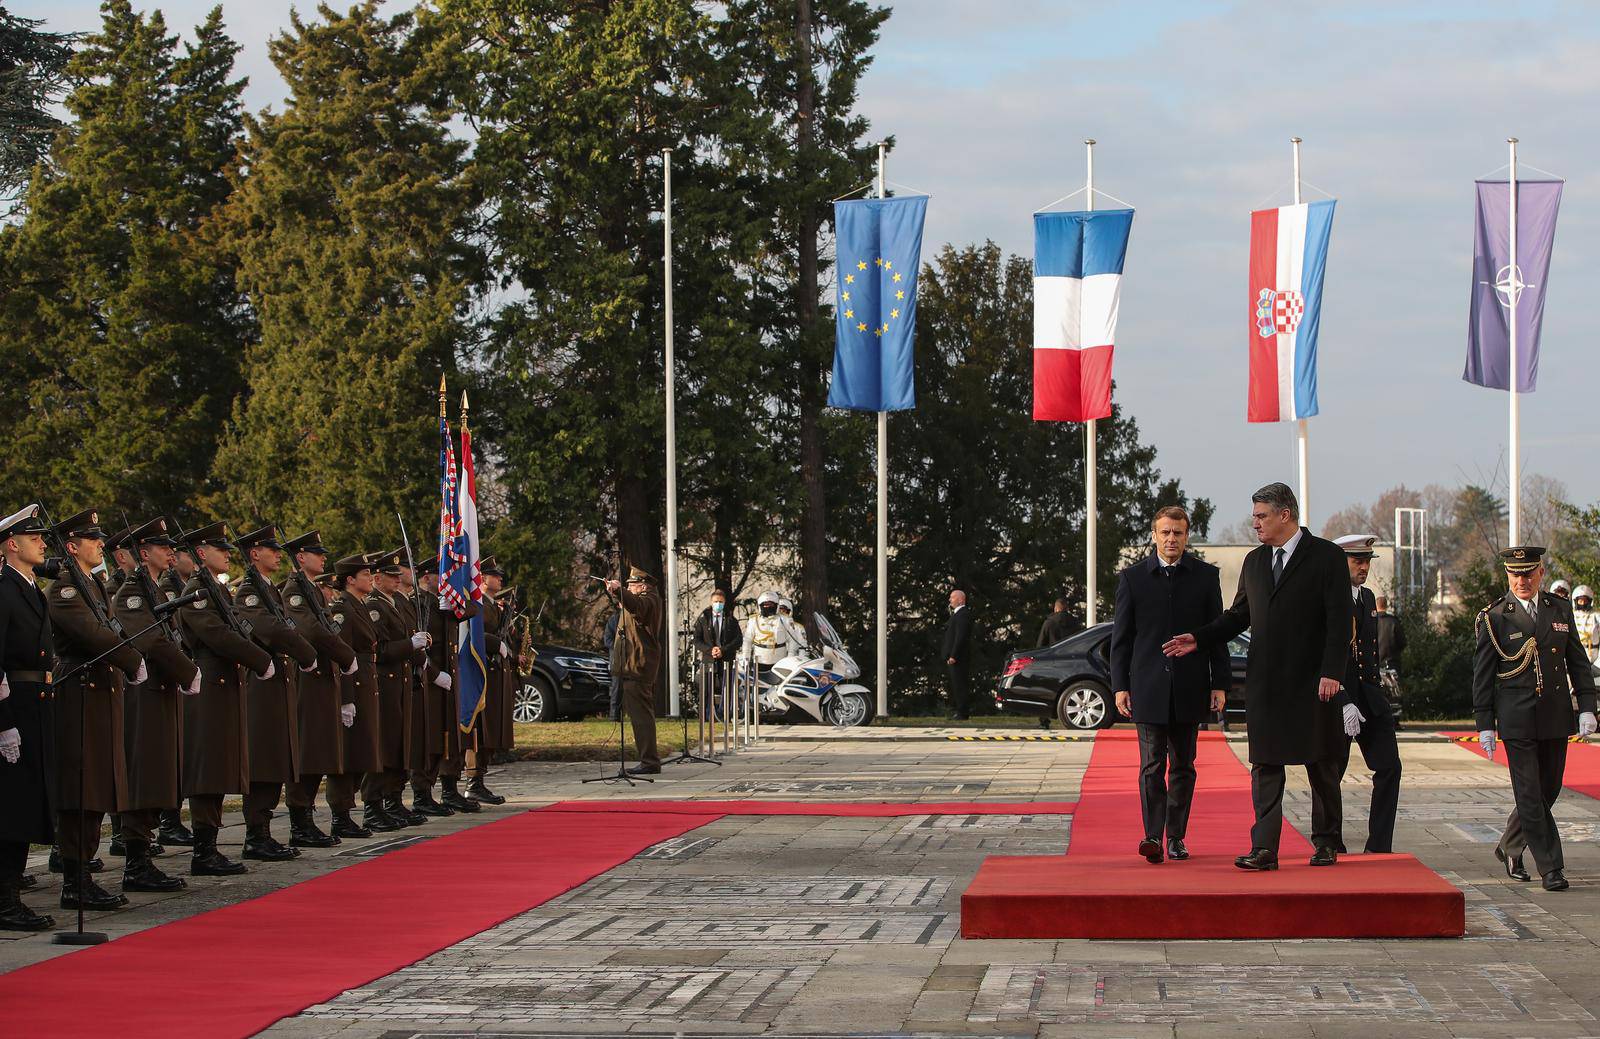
column 1294, row 597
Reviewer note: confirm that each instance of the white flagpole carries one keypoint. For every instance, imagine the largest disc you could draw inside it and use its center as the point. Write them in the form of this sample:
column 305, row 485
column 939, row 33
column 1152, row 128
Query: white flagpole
column 1302, row 436
column 883, row 531
column 1091, row 475
column 1513, row 290
column 672, row 445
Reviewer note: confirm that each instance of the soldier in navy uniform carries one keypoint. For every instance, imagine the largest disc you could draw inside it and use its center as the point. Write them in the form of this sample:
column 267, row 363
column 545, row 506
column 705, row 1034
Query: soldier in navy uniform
column 1528, row 658
column 27, row 722
column 1365, row 709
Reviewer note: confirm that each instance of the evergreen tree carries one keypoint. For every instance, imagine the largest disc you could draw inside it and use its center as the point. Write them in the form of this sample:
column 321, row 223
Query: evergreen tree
column 33, row 67
column 348, row 224
column 117, row 312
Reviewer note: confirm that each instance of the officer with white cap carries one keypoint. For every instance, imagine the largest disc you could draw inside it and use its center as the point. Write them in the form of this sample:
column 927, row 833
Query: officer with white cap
column 1585, row 620
column 1562, row 588
column 1367, row 716
column 769, row 636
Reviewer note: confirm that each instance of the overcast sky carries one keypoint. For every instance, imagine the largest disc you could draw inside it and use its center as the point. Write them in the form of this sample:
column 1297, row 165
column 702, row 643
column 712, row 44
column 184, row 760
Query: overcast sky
column 1401, row 105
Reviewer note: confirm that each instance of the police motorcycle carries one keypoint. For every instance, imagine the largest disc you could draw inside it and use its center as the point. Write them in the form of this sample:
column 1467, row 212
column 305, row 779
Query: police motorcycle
column 820, row 687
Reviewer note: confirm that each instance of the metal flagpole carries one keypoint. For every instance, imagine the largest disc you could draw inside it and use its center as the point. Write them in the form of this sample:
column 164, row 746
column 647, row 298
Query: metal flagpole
column 1302, row 436
column 883, row 531
column 1513, row 290
column 1091, row 474
column 673, row 706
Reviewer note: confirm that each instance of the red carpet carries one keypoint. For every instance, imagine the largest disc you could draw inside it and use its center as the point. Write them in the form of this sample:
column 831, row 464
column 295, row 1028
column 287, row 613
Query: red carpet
column 1583, row 762
column 1102, row 889
column 869, row 809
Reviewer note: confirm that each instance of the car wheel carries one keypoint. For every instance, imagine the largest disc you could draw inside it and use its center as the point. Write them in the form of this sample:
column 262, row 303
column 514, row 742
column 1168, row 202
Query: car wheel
column 535, row 702
column 1083, row 705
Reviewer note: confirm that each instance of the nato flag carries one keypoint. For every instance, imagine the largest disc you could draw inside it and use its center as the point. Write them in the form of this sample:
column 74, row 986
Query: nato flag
column 878, row 246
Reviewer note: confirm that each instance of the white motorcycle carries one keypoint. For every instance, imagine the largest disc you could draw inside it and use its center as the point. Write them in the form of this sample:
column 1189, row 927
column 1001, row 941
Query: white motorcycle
column 818, row 687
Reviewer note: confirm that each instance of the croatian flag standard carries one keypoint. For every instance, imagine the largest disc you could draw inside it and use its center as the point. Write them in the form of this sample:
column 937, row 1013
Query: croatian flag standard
column 1288, row 254
column 472, row 654
column 1077, row 284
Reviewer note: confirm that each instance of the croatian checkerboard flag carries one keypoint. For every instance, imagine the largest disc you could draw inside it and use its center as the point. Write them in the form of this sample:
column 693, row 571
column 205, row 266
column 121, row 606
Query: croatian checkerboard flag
column 1288, row 254
column 1077, row 285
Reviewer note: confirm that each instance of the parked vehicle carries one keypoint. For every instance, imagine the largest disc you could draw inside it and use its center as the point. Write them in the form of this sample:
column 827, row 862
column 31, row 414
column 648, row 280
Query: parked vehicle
column 563, row 683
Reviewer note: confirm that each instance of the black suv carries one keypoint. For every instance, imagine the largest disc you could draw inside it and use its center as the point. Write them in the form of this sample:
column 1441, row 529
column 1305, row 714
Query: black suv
column 564, row 683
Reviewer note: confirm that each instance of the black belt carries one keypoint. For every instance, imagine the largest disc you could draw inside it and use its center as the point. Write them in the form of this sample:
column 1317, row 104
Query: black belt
column 36, row 677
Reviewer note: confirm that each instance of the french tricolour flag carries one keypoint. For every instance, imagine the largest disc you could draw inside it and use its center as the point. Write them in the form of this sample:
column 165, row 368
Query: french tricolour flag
column 1288, row 254
column 1077, row 284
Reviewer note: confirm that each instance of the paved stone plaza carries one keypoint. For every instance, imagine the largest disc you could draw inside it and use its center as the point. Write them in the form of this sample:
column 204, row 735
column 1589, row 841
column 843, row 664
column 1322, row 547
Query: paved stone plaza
column 817, row 926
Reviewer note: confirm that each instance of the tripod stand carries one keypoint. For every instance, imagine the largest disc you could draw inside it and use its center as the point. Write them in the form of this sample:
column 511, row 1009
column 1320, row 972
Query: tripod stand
column 708, row 686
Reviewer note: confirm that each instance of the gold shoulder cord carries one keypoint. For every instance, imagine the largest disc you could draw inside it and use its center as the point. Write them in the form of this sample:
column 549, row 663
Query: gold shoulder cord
column 1523, row 658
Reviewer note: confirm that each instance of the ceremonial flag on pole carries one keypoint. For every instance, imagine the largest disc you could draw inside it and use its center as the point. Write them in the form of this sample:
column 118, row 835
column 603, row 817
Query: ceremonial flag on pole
column 472, row 655
column 1077, row 286
column 1495, row 280
column 879, row 248
column 1288, row 255
column 453, row 594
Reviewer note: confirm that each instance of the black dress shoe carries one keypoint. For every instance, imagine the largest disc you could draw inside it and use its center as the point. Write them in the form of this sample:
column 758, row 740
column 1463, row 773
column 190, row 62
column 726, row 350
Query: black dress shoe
column 377, row 820
column 91, row 895
column 1150, row 848
column 1513, row 864
column 1555, row 880
column 344, row 826
column 478, row 792
column 1176, row 849
column 641, row 770
column 1259, row 860
column 1324, row 856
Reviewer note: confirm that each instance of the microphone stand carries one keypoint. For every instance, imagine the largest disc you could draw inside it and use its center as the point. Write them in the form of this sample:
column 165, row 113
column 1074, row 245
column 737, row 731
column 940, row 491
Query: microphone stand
column 622, row 749
column 708, row 686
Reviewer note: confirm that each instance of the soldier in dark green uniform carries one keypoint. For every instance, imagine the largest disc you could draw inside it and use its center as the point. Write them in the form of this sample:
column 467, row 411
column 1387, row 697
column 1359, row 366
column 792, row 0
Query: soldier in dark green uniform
column 173, row 832
column 1529, row 663
column 398, row 647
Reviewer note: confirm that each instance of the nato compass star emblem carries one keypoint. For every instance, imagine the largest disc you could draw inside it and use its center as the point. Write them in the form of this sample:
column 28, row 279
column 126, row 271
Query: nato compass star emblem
column 1508, row 285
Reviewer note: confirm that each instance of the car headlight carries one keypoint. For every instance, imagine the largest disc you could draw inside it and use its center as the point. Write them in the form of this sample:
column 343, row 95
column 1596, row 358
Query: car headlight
column 579, row 663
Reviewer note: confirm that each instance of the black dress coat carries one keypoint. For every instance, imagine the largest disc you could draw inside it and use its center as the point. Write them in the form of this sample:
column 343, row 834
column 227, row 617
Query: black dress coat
column 1299, row 633
column 27, row 788
column 1535, row 702
column 1152, row 608
column 957, row 642
column 1363, row 683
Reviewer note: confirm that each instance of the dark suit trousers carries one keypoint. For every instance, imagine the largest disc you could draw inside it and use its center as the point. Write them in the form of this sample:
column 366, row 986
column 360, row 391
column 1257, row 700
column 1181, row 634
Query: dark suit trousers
column 1166, row 777
column 1266, row 791
column 958, row 688
column 1381, row 752
column 1537, row 767
column 639, row 703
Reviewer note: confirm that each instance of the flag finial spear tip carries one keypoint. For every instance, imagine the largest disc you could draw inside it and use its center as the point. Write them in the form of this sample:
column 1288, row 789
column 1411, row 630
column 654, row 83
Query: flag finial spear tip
column 441, row 384
column 463, row 400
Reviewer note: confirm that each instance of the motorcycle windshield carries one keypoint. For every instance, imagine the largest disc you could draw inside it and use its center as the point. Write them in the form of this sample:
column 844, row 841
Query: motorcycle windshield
column 825, row 629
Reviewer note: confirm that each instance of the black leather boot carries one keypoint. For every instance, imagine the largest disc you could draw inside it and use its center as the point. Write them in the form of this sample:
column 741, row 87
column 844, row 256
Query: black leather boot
column 118, row 847
column 140, row 874
column 259, row 845
column 173, row 831
column 397, row 809
column 96, row 864
column 423, row 801
column 91, row 895
column 374, row 818
column 344, row 826
column 303, row 832
column 479, row 792
column 14, row 916
column 452, row 798
column 28, row 881
column 207, row 861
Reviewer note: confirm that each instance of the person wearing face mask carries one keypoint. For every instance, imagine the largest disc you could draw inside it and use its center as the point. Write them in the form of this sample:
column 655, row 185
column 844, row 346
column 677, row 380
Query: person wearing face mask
column 718, row 639
column 768, row 637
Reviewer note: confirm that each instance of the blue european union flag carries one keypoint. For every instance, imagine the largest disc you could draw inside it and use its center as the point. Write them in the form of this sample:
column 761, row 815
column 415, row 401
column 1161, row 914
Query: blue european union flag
column 878, row 249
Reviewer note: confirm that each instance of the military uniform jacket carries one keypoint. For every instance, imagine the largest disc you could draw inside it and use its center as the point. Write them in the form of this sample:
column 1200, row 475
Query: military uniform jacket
column 216, row 745
column 442, row 732
column 1363, row 684
column 360, row 632
column 274, row 719
column 321, row 691
column 27, row 655
column 491, row 731
column 1522, row 670
column 152, row 711
column 93, row 697
column 395, row 656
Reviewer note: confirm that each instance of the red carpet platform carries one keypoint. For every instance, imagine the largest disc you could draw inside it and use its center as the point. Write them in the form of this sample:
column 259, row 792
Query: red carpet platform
column 1583, row 762
column 1102, row 889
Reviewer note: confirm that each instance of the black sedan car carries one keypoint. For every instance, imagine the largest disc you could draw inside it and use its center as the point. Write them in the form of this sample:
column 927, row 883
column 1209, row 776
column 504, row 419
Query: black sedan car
column 563, row 683
column 1071, row 680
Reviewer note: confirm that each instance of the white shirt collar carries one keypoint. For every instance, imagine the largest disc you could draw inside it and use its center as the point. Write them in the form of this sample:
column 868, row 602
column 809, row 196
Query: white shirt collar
column 1355, row 593
column 1289, row 546
column 32, row 583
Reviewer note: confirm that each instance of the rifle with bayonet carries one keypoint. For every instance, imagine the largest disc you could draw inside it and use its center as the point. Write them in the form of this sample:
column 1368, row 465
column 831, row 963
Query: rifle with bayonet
column 80, row 581
column 214, row 596
column 312, row 595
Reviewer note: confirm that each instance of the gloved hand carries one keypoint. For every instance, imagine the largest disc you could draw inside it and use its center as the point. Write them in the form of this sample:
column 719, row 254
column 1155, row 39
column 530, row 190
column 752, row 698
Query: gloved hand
column 142, row 675
column 354, row 666
column 505, row 650
column 421, row 640
column 443, row 680
column 1486, row 741
column 309, row 667
column 11, row 745
column 194, row 686
column 1352, row 720
column 347, row 714
column 269, row 672
column 1586, row 723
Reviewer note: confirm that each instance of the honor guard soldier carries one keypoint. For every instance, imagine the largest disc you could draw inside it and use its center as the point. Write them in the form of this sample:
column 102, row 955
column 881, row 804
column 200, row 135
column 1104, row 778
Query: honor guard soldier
column 1367, row 716
column 436, row 754
column 27, row 721
column 357, row 626
column 398, row 647
column 152, row 710
column 173, row 832
column 216, row 745
column 324, row 705
column 274, row 720
column 496, row 725
column 92, row 767
column 1528, row 658
column 124, row 559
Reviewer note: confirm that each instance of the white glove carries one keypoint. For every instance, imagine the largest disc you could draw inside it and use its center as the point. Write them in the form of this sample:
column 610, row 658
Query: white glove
column 347, row 714
column 11, row 745
column 5, row 687
column 142, row 675
column 1352, row 720
column 309, row 667
column 269, row 672
column 442, row 680
column 355, row 665
column 1586, row 723
column 421, row 640
column 1486, row 741
column 194, row 685
column 505, row 651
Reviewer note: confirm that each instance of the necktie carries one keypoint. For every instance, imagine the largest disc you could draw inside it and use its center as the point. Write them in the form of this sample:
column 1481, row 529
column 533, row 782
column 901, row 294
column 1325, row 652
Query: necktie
column 1277, row 567
column 1533, row 613
column 1169, row 568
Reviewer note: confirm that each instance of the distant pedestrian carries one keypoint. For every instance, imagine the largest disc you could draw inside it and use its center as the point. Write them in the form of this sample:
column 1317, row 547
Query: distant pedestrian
column 958, row 652
column 717, row 637
column 1056, row 627
column 1391, row 637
